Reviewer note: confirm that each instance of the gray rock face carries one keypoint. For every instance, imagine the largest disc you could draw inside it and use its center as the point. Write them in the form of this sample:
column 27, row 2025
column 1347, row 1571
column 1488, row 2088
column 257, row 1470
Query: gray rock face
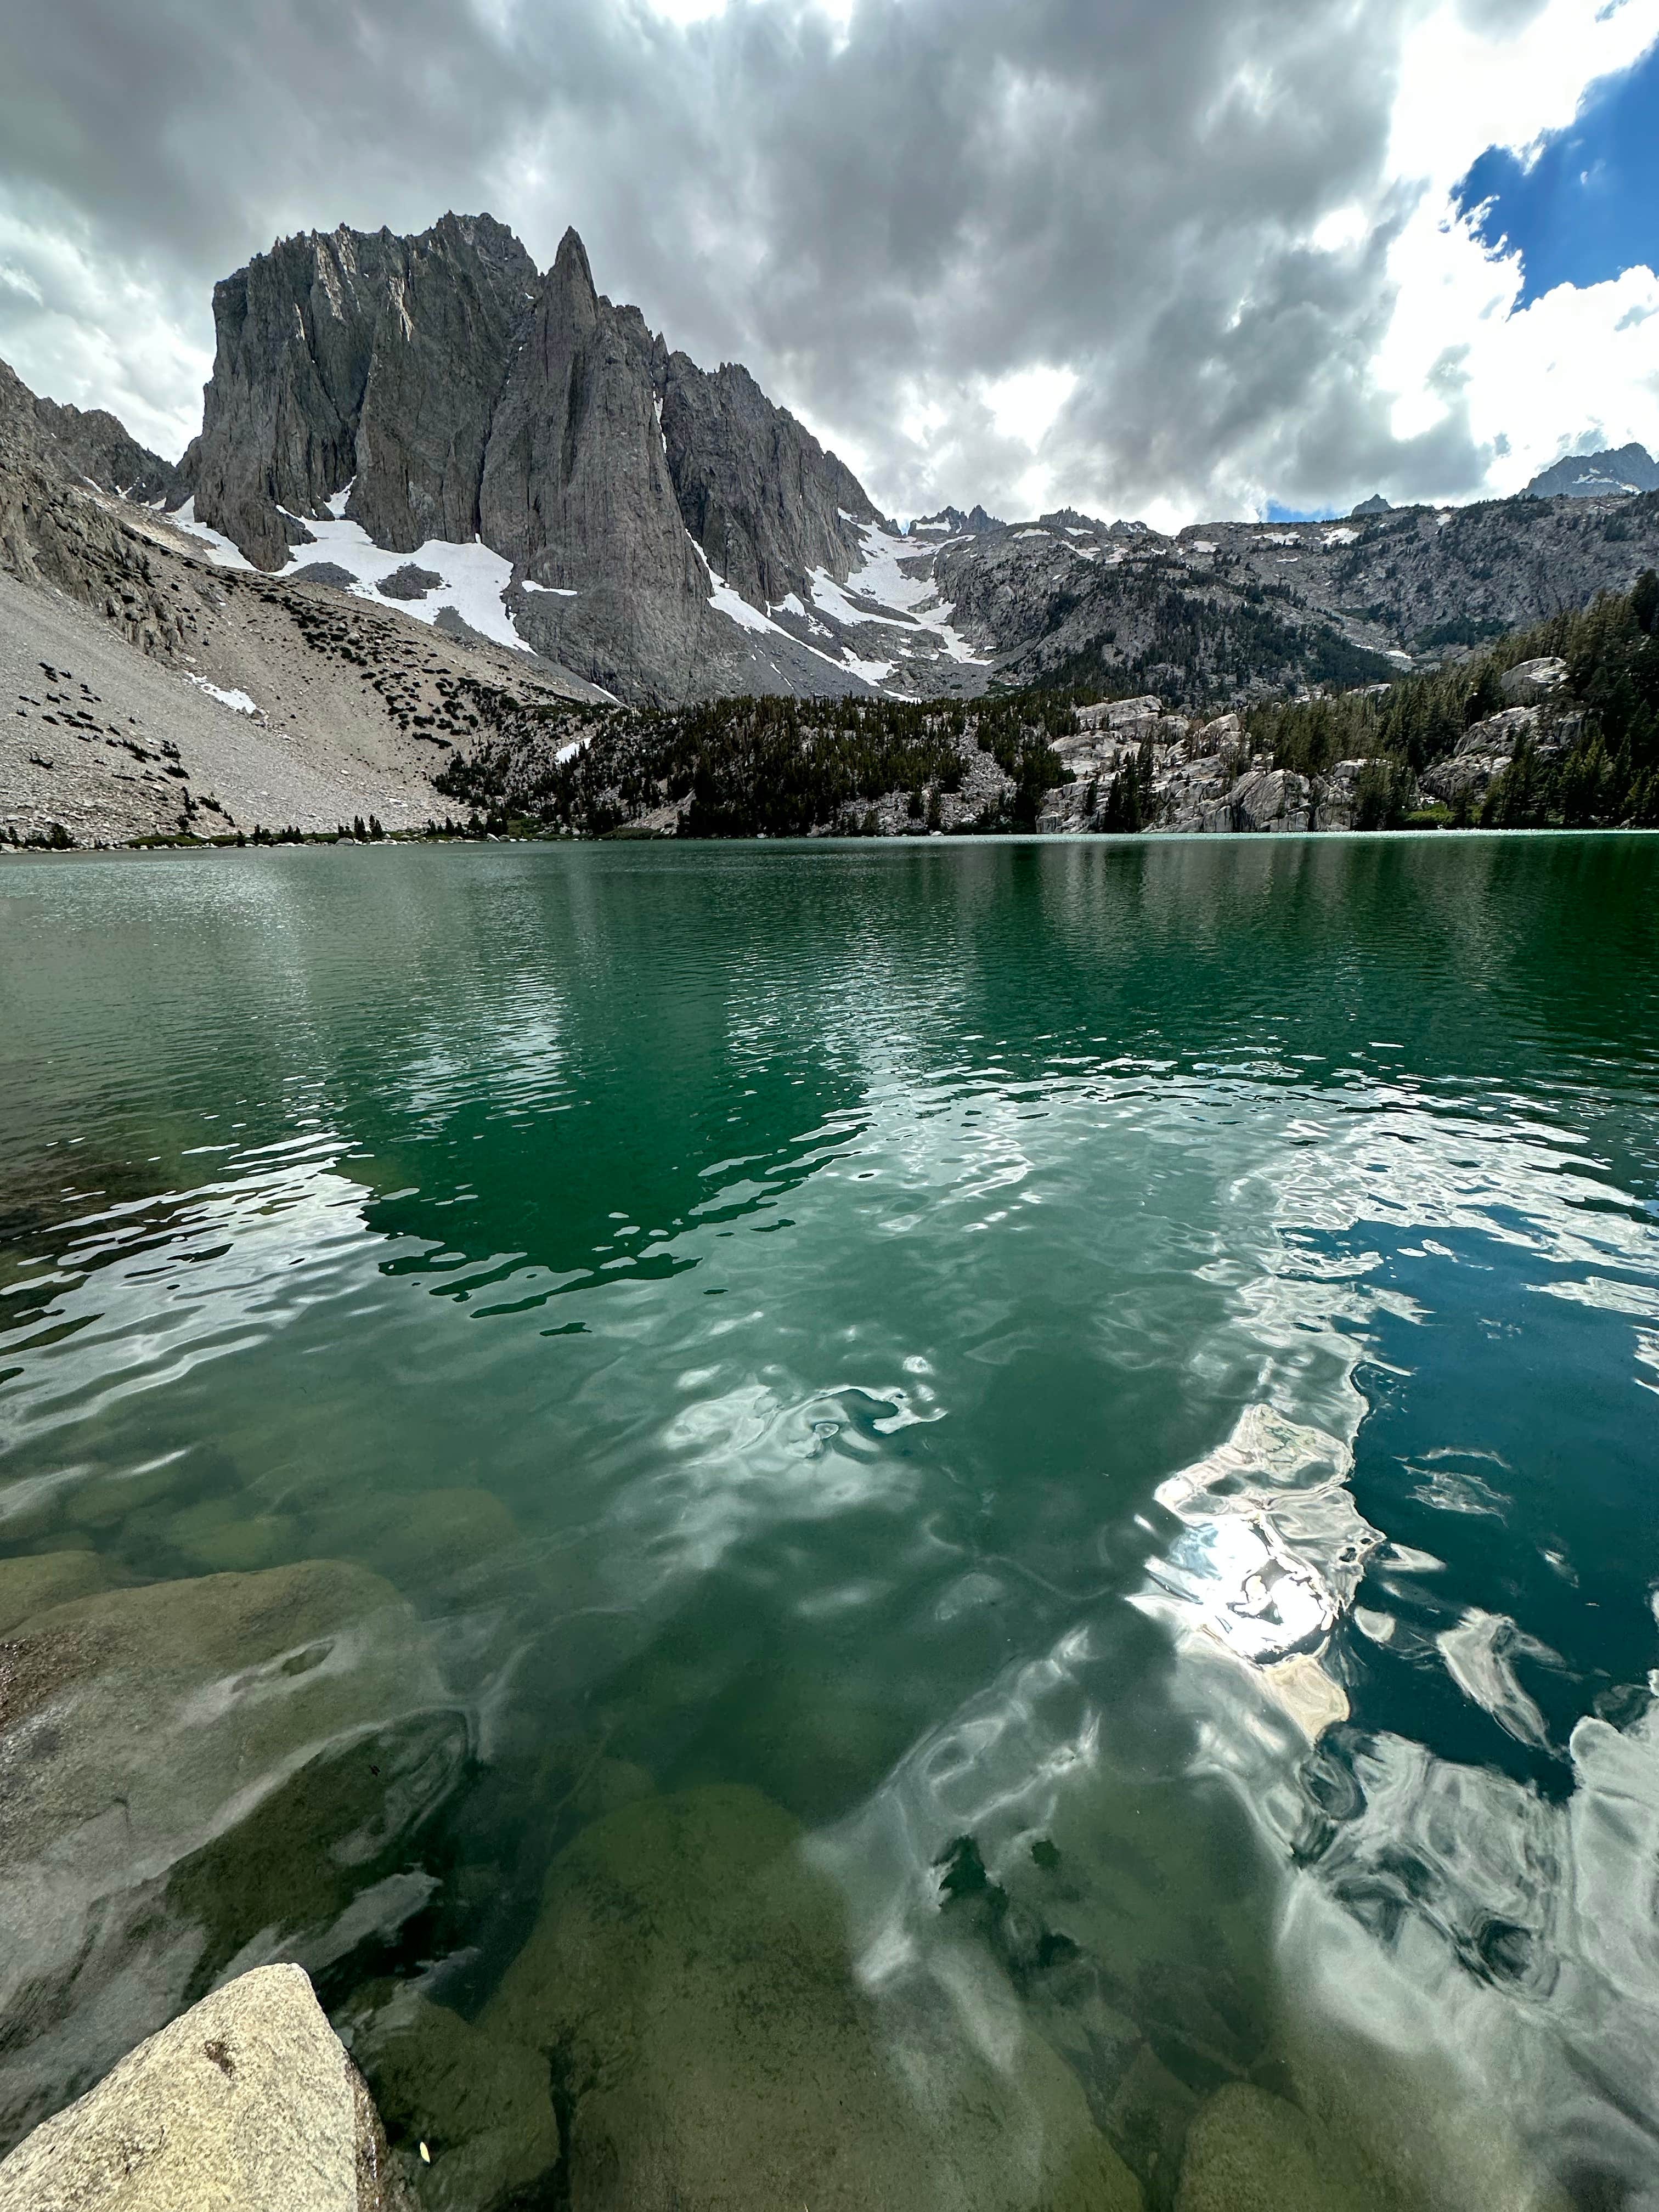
column 24, row 438
column 459, row 395
column 1595, row 475
column 54, row 532
column 577, row 494
column 96, row 445
column 358, row 356
column 1261, row 608
column 759, row 494
column 951, row 522
column 1484, row 751
column 1337, row 801
column 246, row 2100
column 1533, row 679
column 408, row 583
column 1275, row 799
column 1498, row 733
column 1124, row 717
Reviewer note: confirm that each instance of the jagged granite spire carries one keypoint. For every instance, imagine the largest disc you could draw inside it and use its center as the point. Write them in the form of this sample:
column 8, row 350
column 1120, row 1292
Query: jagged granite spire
column 577, row 493
column 459, row 393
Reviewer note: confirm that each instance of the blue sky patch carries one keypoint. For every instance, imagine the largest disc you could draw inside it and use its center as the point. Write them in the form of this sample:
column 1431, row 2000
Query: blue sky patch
column 1277, row 512
column 1589, row 207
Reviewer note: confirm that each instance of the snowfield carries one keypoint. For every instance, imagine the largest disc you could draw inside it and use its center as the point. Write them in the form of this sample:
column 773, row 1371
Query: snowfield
column 912, row 601
column 473, row 580
column 223, row 554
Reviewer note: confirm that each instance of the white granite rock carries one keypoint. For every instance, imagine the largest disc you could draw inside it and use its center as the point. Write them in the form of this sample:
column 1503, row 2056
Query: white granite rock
column 1533, row 679
column 246, row 2103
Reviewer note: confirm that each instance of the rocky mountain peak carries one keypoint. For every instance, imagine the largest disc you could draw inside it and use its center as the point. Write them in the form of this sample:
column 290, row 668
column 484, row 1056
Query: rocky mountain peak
column 670, row 533
column 1597, row 476
column 764, row 500
column 571, row 273
column 454, row 392
column 95, row 445
column 357, row 358
column 951, row 521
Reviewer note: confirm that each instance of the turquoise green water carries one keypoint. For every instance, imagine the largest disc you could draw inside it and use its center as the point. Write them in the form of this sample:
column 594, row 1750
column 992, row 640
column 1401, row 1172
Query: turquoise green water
column 1129, row 1367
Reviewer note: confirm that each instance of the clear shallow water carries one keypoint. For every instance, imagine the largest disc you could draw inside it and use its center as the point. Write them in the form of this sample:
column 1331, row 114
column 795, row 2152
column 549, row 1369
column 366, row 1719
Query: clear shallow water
column 1127, row 1367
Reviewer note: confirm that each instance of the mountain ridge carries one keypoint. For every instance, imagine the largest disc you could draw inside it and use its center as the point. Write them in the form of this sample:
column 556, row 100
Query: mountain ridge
column 1613, row 471
column 432, row 426
column 447, row 390
column 672, row 534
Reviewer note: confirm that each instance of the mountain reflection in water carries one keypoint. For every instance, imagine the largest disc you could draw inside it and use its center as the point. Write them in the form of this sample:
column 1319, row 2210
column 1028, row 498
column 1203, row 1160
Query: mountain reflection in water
column 1093, row 1401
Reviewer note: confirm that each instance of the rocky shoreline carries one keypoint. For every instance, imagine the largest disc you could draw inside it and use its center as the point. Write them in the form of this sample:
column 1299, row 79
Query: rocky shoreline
column 1202, row 776
column 246, row 2100
column 212, row 1782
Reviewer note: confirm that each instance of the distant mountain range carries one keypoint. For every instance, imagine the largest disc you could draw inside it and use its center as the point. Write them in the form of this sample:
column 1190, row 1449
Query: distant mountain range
column 1598, row 475
column 433, row 425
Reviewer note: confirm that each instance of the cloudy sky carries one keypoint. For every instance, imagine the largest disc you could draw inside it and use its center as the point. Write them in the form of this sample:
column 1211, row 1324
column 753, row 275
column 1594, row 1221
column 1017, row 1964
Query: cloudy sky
column 1169, row 257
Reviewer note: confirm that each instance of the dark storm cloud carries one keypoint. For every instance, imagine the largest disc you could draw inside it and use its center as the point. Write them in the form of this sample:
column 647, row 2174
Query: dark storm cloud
column 879, row 217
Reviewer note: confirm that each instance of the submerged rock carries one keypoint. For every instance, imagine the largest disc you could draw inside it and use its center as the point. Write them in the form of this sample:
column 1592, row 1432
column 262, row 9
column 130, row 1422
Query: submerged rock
column 247, row 2100
column 1250, row 2152
column 32, row 1584
column 221, row 1537
column 418, row 1535
column 690, row 1970
column 195, row 1774
column 481, row 2106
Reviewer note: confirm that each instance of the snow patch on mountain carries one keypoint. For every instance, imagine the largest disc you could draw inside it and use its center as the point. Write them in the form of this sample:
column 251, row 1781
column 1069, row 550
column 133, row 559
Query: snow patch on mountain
column 223, row 553
column 893, row 577
column 238, row 701
column 734, row 604
column 873, row 672
column 472, row 579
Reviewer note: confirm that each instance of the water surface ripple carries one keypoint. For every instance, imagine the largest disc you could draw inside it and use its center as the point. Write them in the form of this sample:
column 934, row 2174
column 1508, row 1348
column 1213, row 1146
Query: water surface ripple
column 1113, row 1383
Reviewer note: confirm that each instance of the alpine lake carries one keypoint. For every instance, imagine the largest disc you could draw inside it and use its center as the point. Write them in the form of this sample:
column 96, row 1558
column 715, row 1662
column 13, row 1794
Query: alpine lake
column 942, row 1524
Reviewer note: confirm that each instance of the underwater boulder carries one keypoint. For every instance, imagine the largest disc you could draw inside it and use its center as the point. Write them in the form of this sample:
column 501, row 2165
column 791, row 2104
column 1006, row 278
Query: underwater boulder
column 482, row 2106
column 38, row 1580
column 418, row 1536
column 149, row 1739
column 1250, row 2152
column 689, row 1974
